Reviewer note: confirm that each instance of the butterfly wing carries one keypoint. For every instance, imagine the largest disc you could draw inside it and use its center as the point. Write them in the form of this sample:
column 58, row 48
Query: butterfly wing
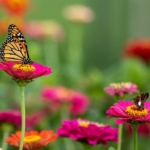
column 140, row 100
column 13, row 51
column 15, row 47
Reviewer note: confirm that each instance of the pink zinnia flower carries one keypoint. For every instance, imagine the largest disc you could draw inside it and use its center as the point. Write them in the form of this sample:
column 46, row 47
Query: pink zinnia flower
column 128, row 111
column 56, row 96
column 88, row 132
column 24, row 72
column 80, row 103
column 143, row 129
column 44, row 29
column 121, row 88
column 12, row 117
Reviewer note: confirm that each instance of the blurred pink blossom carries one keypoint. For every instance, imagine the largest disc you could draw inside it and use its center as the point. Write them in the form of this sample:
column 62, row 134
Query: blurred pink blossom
column 12, row 117
column 44, row 29
column 78, row 13
column 121, row 88
column 57, row 96
column 143, row 129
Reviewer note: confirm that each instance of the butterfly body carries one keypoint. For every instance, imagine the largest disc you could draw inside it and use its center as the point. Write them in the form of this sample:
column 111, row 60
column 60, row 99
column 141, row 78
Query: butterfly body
column 140, row 100
column 15, row 49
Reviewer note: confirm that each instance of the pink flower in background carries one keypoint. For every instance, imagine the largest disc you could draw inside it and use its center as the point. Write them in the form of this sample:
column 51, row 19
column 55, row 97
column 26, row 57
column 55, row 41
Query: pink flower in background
column 24, row 72
column 138, row 48
column 79, row 104
column 78, row 14
column 44, row 29
column 128, row 111
column 12, row 117
column 33, row 30
column 88, row 132
column 56, row 96
column 121, row 88
column 143, row 129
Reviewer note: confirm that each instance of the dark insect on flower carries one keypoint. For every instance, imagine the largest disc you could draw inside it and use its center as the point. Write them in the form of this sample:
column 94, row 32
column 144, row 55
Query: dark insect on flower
column 140, row 100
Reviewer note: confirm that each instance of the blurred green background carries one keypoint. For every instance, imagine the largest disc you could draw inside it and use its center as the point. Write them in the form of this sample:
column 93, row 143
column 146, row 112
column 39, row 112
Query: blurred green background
column 104, row 38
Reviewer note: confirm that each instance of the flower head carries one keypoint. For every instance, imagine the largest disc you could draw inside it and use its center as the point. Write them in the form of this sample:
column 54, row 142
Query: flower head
column 56, row 96
column 80, row 103
column 138, row 48
column 88, row 132
column 12, row 117
column 24, row 72
column 15, row 7
column 128, row 111
column 44, row 29
column 78, row 13
column 33, row 140
column 121, row 88
column 5, row 22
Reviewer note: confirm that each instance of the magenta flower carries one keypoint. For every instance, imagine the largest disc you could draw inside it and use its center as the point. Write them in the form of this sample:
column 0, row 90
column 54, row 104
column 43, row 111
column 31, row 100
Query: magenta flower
column 24, row 72
column 80, row 103
column 121, row 88
column 143, row 129
column 12, row 117
column 88, row 132
column 56, row 96
column 128, row 111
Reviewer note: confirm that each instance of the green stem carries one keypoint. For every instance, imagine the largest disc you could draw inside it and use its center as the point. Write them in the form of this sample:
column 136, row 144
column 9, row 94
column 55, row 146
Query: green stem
column 120, row 137
column 51, row 56
column 5, row 144
column 75, row 53
column 23, row 116
column 69, row 145
column 135, row 128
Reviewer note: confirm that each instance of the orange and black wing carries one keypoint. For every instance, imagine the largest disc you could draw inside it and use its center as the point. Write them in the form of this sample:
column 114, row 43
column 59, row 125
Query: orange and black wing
column 15, row 47
column 13, row 51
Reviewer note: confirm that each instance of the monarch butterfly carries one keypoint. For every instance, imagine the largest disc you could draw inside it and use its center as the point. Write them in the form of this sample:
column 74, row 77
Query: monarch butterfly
column 15, row 48
column 140, row 100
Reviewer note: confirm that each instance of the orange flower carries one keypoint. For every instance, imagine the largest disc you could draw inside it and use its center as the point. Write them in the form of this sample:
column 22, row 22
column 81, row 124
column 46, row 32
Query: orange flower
column 5, row 22
column 33, row 140
column 15, row 7
column 139, row 48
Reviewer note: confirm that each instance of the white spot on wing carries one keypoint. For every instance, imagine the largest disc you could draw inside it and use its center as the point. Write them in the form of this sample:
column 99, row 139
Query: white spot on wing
column 139, row 103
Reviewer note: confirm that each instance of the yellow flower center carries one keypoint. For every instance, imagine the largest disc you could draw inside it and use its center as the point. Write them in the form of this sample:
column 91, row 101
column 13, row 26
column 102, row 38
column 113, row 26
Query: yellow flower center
column 24, row 67
column 32, row 138
column 83, row 123
column 134, row 111
column 121, row 86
